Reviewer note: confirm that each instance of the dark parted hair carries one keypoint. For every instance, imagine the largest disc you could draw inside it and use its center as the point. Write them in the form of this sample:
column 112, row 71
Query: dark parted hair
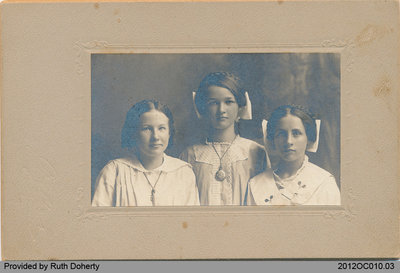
column 222, row 79
column 132, row 121
column 299, row 111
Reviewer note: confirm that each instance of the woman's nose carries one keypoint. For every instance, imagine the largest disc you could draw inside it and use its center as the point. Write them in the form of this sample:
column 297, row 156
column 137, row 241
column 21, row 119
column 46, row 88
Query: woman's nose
column 289, row 139
column 221, row 108
column 155, row 134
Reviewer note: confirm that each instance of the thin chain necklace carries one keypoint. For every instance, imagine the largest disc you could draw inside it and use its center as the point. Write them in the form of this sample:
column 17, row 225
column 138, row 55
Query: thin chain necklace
column 153, row 188
column 220, row 174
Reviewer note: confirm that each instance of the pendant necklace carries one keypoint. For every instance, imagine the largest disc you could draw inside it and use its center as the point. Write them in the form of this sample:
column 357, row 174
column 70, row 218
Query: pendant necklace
column 220, row 175
column 153, row 190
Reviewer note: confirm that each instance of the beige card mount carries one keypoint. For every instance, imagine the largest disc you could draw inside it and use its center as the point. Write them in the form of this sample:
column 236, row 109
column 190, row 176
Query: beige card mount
column 46, row 69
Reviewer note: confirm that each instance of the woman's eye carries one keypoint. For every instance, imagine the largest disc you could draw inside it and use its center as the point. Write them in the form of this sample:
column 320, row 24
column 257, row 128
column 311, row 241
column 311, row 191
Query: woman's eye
column 297, row 133
column 229, row 102
column 162, row 128
column 211, row 102
column 145, row 128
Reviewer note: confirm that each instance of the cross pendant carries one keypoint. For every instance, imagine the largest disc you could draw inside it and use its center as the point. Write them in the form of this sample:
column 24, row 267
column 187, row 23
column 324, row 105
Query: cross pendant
column 152, row 196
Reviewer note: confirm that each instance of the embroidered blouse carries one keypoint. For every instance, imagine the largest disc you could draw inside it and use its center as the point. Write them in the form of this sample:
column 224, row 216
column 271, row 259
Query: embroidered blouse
column 242, row 160
column 123, row 182
column 311, row 185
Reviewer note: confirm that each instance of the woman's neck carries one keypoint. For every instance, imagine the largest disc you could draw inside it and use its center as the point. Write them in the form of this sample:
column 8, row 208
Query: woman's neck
column 150, row 163
column 287, row 169
column 226, row 135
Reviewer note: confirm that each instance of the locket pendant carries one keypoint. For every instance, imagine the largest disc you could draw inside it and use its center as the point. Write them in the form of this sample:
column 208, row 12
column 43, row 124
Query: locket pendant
column 220, row 174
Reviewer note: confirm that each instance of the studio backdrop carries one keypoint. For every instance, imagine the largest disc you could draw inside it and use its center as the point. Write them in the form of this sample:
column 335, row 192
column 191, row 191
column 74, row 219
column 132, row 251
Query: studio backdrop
column 271, row 79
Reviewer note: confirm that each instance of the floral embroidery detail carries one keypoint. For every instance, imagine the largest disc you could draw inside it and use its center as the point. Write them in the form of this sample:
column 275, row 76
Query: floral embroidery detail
column 301, row 185
column 268, row 200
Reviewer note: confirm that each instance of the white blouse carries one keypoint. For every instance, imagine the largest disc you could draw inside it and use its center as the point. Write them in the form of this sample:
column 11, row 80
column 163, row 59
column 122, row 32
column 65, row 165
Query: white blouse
column 311, row 185
column 123, row 182
column 242, row 159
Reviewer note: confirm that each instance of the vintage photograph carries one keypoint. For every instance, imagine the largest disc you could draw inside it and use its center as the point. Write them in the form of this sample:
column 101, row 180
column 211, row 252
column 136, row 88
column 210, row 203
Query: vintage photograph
column 242, row 129
column 193, row 130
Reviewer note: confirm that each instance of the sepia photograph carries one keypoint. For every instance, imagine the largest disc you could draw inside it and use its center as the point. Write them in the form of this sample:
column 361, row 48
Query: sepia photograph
column 193, row 130
column 186, row 129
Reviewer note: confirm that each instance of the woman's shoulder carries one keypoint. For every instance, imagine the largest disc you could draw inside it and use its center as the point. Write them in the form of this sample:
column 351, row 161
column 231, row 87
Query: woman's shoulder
column 112, row 165
column 178, row 170
column 261, row 186
column 249, row 147
column 322, row 186
column 315, row 177
column 109, row 172
column 249, row 144
column 197, row 146
column 319, row 173
column 192, row 149
column 115, row 166
column 263, row 179
column 172, row 164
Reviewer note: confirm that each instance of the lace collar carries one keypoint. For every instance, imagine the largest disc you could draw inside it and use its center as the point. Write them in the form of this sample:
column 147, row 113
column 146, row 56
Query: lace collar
column 284, row 181
column 222, row 142
column 205, row 153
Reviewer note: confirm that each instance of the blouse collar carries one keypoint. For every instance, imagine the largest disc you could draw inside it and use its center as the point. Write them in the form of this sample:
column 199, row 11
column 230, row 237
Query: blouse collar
column 221, row 142
column 206, row 153
column 169, row 164
column 280, row 180
column 297, row 191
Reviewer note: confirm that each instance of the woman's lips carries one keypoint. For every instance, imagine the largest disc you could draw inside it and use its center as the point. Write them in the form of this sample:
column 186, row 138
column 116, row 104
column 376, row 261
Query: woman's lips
column 289, row 151
column 156, row 145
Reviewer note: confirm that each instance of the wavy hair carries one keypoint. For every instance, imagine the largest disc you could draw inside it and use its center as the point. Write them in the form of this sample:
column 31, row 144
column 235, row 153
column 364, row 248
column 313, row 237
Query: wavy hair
column 299, row 111
column 130, row 129
column 222, row 79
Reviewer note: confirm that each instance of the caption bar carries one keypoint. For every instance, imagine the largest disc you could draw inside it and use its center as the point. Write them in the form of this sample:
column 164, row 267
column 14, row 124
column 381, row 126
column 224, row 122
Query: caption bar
column 51, row 266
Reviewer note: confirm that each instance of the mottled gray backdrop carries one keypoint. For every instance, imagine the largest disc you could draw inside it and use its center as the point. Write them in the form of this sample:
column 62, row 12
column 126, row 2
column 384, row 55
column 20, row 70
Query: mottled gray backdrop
column 272, row 79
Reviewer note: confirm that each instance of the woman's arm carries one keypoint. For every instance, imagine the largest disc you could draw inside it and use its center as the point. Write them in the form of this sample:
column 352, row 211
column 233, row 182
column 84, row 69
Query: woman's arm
column 192, row 193
column 249, row 199
column 105, row 186
column 328, row 193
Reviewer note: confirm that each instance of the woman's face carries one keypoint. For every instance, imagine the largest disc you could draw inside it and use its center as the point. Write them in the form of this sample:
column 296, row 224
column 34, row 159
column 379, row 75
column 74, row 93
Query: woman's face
column 290, row 139
column 222, row 109
column 153, row 134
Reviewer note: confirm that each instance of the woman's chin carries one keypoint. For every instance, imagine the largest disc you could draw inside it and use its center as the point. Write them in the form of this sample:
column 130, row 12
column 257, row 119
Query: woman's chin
column 290, row 158
column 154, row 153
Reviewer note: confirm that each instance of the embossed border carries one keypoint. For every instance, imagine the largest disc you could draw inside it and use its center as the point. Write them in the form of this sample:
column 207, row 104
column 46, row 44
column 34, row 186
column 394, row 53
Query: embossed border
column 46, row 56
column 82, row 61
